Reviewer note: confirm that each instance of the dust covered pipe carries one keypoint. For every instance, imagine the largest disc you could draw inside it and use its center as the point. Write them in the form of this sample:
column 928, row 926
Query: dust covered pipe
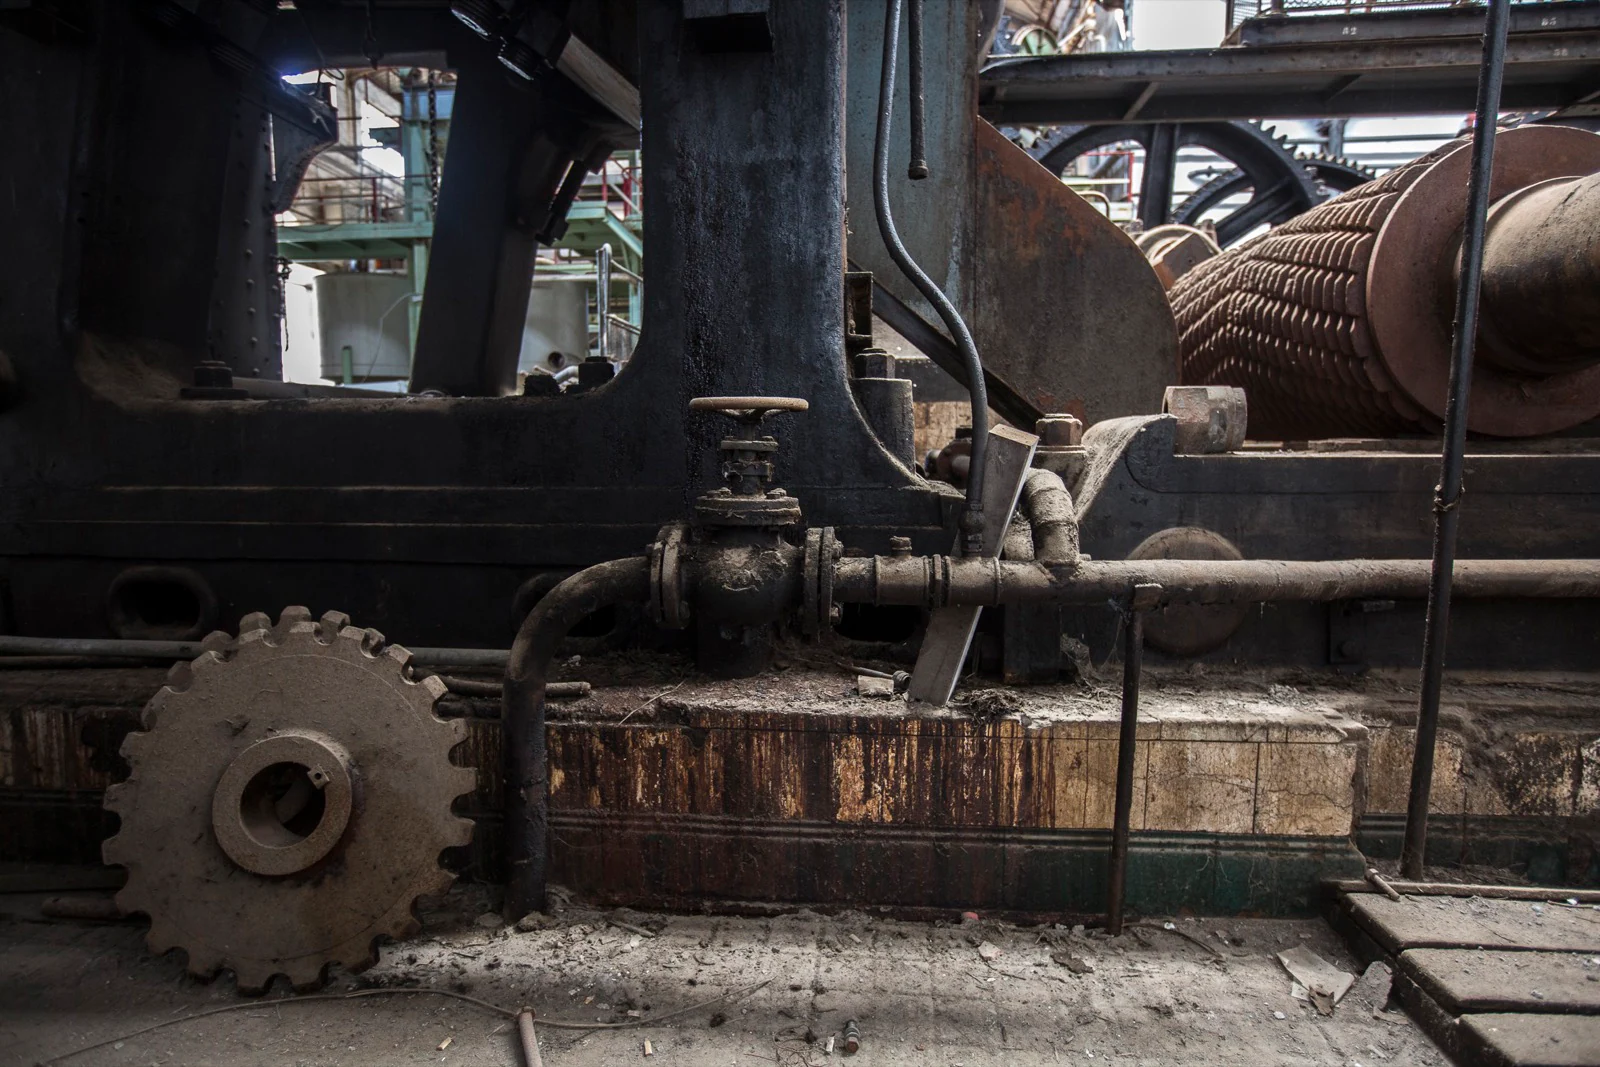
column 940, row 581
column 522, row 717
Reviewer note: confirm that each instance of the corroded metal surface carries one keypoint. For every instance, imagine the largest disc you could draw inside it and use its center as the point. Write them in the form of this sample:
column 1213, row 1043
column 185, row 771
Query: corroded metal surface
column 288, row 800
column 1338, row 322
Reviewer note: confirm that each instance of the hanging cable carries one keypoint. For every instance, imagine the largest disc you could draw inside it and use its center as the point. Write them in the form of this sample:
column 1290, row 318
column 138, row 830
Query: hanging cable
column 972, row 521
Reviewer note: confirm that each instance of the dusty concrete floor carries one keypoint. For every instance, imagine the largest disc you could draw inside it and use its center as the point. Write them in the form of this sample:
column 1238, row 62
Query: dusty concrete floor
column 934, row 994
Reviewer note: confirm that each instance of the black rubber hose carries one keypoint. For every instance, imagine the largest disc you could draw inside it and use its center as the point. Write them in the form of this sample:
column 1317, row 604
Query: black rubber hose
column 972, row 522
column 527, row 777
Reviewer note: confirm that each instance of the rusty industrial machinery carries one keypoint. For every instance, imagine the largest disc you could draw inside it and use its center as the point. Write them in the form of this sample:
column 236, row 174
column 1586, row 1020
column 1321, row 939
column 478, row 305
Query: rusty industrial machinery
column 1337, row 323
column 833, row 651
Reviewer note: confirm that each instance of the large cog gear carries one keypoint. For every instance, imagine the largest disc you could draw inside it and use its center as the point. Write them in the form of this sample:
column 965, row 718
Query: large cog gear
column 289, row 799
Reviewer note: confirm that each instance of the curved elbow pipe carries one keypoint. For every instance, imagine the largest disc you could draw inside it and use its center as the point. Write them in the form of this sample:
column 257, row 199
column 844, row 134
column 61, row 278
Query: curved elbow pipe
column 1049, row 508
column 522, row 717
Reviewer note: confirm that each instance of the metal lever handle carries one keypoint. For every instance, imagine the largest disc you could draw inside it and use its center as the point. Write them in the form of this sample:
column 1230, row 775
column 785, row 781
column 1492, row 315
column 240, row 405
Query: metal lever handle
column 748, row 408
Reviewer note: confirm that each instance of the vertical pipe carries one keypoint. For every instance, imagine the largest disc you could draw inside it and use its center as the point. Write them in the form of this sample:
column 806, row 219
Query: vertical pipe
column 1132, row 661
column 1447, row 496
column 919, row 152
column 602, row 303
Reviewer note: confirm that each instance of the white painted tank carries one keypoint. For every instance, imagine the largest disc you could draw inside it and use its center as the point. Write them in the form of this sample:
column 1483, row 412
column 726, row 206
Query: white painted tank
column 368, row 315
column 556, row 331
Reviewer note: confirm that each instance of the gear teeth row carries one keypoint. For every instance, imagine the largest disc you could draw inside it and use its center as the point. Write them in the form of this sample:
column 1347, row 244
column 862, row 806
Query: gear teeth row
column 1285, row 318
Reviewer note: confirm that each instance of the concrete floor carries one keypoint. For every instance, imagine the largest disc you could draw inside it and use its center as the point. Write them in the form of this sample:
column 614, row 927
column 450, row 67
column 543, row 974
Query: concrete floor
column 967, row 994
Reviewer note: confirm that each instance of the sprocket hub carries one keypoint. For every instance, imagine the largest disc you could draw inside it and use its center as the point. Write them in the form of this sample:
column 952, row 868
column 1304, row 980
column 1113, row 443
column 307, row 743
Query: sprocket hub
column 289, row 798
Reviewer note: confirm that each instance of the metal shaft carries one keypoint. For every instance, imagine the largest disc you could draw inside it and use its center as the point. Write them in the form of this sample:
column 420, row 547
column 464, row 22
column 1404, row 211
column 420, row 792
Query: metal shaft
column 1541, row 279
column 1447, row 501
column 1127, row 737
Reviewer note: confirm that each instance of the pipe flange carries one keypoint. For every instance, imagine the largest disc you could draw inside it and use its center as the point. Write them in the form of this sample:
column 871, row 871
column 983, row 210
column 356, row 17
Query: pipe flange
column 667, row 606
column 810, row 582
column 830, row 551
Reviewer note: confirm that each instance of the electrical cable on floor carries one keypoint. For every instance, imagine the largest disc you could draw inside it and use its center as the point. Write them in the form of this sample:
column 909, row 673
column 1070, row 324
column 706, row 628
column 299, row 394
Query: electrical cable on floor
column 554, row 1024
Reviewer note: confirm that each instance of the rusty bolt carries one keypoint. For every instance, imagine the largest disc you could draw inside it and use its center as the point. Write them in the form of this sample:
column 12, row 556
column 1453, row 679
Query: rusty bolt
column 899, row 546
column 1058, row 431
column 874, row 363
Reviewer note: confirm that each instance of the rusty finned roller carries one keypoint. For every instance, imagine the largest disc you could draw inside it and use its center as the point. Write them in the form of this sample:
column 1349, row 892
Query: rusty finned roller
column 1337, row 323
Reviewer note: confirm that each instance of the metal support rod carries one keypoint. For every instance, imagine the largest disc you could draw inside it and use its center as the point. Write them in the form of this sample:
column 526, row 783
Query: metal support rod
column 1447, row 498
column 972, row 521
column 918, row 168
column 1127, row 748
column 602, row 306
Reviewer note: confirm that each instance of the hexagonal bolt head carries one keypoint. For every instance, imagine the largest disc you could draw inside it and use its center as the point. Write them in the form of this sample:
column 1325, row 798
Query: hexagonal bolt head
column 1058, row 431
column 874, row 363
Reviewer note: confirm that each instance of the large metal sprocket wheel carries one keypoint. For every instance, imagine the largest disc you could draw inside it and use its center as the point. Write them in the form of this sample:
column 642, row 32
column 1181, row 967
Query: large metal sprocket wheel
column 1280, row 185
column 289, row 800
column 1331, row 174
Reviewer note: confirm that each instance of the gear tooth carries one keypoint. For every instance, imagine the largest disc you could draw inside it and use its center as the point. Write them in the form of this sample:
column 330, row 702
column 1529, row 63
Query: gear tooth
column 432, row 684
column 161, row 938
column 117, row 796
column 251, row 976
column 179, row 677
column 292, row 615
column 334, row 621
column 114, row 851
column 307, row 975
column 205, row 661
column 256, row 620
column 462, row 833
column 405, row 926
column 464, row 779
column 203, row 962
column 400, row 656
column 136, row 744
column 130, row 901
column 216, row 641
column 372, row 641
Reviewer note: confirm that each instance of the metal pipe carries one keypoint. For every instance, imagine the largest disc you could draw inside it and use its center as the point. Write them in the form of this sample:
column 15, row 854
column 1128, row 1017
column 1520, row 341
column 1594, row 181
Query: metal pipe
column 1447, row 498
column 1127, row 747
column 972, row 521
column 918, row 168
column 1054, row 521
column 940, row 581
column 100, row 648
column 530, row 1040
column 602, row 270
column 522, row 716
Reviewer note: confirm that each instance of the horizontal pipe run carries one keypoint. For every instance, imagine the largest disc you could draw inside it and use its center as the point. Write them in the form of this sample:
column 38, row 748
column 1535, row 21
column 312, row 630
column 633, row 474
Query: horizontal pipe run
column 103, row 647
column 940, row 581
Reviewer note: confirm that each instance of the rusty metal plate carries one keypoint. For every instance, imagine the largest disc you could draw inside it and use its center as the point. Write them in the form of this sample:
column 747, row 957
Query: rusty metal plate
column 1066, row 307
column 1409, row 295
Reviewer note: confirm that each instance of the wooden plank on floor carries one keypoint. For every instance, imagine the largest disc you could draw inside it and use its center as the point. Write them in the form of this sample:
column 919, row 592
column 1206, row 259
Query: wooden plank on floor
column 950, row 630
column 1472, row 922
column 1519, row 1040
column 1473, row 981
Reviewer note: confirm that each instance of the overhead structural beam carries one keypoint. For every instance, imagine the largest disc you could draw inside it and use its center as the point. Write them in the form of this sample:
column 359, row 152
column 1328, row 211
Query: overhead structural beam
column 1333, row 79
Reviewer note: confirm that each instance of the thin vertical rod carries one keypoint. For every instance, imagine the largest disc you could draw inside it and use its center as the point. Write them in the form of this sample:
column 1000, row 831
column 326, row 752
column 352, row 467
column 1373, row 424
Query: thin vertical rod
column 1132, row 662
column 918, row 168
column 1447, row 495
